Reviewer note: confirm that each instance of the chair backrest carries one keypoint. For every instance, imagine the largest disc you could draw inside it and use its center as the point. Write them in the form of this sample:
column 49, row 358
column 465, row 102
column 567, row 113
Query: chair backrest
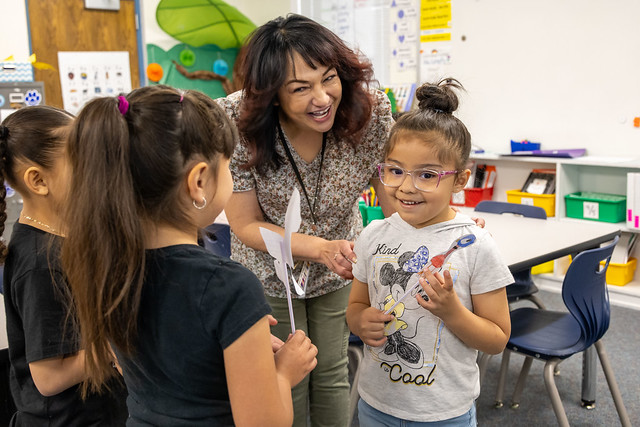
column 584, row 292
column 493, row 206
column 217, row 239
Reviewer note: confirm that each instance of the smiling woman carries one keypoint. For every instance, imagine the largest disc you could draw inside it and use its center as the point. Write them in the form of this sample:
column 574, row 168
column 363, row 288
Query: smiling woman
column 319, row 128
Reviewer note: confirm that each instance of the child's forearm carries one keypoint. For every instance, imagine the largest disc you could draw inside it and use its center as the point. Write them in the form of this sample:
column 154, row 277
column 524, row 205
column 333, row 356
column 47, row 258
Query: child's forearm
column 477, row 332
column 354, row 315
column 54, row 375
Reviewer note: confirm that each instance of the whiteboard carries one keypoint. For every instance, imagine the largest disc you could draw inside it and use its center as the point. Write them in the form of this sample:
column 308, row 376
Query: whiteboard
column 565, row 73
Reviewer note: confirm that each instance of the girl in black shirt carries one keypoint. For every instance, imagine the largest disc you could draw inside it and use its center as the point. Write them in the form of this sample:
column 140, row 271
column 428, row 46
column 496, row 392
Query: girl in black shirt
column 47, row 362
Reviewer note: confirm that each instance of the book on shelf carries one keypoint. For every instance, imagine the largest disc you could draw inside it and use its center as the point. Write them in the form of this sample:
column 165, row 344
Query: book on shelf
column 540, row 181
column 633, row 200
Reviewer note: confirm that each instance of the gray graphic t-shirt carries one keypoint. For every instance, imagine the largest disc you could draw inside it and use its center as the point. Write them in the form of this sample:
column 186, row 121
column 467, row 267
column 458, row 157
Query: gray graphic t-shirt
column 423, row 372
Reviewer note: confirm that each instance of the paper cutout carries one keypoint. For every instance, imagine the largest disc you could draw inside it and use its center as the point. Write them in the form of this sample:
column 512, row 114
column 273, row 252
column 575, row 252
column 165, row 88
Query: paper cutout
column 435, row 265
column 279, row 248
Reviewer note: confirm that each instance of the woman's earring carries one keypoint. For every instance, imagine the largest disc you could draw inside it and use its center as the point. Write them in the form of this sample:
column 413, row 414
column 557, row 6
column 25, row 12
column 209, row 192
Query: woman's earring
column 204, row 203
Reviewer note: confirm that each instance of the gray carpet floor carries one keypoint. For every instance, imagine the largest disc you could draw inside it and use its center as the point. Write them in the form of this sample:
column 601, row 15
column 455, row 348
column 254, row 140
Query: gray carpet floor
column 622, row 343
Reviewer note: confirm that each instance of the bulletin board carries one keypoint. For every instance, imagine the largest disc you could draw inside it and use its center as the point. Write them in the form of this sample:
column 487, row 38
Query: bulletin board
column 562, row 73
column 65, row 25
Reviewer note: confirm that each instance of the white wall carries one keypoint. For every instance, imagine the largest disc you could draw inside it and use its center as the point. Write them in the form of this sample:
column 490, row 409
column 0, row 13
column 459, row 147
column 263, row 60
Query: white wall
column 560, row 72
column 15, row 37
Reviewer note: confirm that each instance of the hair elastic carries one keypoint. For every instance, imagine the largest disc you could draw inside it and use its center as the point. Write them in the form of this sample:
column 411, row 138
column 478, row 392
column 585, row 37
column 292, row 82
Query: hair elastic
column 181, row 98
column 123, row 105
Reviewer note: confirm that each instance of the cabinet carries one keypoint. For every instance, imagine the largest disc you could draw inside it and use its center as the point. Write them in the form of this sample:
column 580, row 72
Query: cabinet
column 598, row 174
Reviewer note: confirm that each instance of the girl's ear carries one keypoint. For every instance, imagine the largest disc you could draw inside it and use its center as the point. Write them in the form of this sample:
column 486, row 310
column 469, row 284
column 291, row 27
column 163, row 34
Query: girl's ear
column 461, row 180
column 197, row 180
column 35, row 181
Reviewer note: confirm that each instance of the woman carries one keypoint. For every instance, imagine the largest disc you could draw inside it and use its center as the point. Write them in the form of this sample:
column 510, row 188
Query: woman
column 307, row 119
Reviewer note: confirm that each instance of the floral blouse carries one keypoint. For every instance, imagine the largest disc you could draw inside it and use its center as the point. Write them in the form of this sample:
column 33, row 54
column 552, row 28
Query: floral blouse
column 346, row 171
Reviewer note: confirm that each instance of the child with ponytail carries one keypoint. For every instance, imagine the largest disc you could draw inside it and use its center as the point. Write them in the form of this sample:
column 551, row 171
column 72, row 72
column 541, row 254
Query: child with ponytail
column 47, row 360
column 190, row 329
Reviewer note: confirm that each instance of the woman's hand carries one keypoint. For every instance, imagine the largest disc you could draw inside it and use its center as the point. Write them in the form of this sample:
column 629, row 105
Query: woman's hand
column 338, row 256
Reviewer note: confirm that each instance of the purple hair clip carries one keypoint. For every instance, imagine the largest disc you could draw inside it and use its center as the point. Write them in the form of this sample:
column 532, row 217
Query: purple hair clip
column 123, row 105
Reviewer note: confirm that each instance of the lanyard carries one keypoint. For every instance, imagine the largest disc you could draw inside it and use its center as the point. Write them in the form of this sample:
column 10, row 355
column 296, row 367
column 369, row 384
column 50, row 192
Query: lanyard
column 312, row 208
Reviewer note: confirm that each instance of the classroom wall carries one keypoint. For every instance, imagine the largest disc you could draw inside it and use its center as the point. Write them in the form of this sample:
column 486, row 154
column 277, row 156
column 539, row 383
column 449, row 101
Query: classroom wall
column 561, row 72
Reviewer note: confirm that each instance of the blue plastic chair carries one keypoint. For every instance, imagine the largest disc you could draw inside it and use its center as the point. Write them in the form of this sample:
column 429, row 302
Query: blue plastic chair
column 553, row 336
column 217, row 239
column 523, row 286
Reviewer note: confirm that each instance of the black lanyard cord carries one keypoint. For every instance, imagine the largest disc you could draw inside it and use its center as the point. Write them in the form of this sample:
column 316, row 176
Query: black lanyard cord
column 312, row 208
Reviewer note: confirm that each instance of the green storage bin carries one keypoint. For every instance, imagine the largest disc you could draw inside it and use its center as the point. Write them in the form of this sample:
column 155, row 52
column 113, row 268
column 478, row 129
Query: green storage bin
column 596, row 206
column 369, row 213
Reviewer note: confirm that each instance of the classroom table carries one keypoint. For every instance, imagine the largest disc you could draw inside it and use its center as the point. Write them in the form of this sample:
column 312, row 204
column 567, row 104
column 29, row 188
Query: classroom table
column 525, row 242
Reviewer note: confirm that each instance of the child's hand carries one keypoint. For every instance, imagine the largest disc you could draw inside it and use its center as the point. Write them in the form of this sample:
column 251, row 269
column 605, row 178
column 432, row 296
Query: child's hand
column 372, row 322
column 296, row 358
column 443, row 300
column 276, row 342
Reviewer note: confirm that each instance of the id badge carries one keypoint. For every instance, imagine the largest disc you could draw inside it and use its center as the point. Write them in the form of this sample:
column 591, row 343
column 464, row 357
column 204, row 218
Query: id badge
column 304, row 275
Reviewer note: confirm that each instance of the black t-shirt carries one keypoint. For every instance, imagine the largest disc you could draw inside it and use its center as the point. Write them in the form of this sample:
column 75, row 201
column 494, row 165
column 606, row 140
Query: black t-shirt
column 38, row 328
column 194, row 304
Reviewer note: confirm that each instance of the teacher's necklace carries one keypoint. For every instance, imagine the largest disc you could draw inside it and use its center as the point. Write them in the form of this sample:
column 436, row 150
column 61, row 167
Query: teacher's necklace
column 312, row 207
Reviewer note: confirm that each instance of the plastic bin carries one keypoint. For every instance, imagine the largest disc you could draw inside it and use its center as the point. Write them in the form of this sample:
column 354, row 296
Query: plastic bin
column 524, row 146
column 545, row 201
column 471, row 196
column 596, row 206
column 621, row 274
column 369, row 213
column 545, row 267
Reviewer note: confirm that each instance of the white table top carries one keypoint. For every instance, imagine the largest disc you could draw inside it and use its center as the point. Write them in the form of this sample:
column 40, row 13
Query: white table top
column 525, row 242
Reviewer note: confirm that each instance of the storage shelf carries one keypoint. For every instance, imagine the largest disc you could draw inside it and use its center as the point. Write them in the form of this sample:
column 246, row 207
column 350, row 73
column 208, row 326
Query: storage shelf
column 587, row 173
column 624, row 296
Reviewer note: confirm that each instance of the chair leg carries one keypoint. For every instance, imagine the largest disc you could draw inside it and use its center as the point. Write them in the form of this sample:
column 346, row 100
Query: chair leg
column 504, row 367
column 524, row 372
column 358, row 353
column 483, row 362
column 556, row 402
column 613, row 384
column 537, row 301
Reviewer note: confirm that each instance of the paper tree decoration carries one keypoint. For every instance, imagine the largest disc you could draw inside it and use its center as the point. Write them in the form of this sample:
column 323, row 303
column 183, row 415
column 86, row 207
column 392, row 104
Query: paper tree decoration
column 201, row 22
column 279, row 248
column 418, row 264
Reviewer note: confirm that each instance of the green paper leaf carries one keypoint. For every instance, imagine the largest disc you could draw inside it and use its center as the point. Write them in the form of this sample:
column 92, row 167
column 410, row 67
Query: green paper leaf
column 201, row 22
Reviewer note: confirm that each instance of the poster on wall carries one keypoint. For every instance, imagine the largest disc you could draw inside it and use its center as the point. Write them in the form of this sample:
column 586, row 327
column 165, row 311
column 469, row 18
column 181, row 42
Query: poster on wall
column 86, row 75
column 435, row 39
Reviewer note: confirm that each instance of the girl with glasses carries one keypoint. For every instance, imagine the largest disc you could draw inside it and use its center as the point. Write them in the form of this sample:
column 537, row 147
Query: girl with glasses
column 428, row 292
column 190, row 329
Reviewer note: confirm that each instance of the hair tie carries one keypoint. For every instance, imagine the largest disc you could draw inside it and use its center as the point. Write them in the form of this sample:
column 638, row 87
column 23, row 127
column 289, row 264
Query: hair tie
column 4, row 132
column 437, row 110
column 181, row 98
column 123, row 105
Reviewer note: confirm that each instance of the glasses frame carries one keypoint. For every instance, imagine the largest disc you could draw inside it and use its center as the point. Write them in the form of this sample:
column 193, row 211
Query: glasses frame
column 412, row 173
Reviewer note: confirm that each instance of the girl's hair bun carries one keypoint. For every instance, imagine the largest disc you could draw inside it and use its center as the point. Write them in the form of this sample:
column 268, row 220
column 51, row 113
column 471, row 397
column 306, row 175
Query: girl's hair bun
column 439, row 97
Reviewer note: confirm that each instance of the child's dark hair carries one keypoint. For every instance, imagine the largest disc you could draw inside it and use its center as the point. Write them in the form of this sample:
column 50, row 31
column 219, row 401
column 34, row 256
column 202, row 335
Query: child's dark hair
column 31, row 134
column 436, row 104
column 129, row 157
